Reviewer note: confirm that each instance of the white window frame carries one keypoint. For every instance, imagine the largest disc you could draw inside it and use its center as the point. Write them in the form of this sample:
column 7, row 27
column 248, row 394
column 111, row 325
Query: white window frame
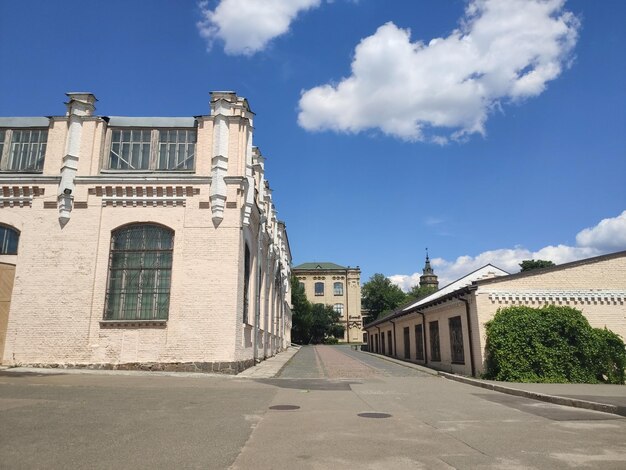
column 7, row 148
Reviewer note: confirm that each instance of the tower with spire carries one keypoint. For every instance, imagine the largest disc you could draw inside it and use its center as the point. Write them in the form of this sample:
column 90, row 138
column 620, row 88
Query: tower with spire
column 428, row 277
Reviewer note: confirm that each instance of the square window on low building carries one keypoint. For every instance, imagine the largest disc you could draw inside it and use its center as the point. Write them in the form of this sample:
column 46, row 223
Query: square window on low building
column 456, row 340
column 23, row 150
column 435, row 351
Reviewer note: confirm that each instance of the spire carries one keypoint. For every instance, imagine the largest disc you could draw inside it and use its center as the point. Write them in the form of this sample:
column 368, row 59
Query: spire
column 429, row 278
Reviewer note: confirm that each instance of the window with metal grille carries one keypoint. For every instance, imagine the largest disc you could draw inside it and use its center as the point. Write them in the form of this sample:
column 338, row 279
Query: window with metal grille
column 456, row 340
column 319, row 288
column 338, row 308
column 140, row 273
column 419, row 343
column 9, row 239
column 133, row 149
column 407, row 343
column 23, row 150
column 338, row 288
column 435, row 351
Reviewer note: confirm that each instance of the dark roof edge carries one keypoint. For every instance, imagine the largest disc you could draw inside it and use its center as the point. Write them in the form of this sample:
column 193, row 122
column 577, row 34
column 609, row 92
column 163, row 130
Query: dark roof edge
column 401, row 313
column 558, row 267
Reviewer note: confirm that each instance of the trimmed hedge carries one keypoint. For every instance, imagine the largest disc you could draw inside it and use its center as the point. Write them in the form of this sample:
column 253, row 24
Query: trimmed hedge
column 551, row 344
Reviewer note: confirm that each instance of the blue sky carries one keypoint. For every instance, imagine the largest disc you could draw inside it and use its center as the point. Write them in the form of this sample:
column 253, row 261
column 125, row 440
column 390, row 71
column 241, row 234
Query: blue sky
column 504, row 139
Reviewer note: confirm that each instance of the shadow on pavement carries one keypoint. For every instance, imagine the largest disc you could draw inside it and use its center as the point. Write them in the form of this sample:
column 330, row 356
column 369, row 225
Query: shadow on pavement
column 310, row 384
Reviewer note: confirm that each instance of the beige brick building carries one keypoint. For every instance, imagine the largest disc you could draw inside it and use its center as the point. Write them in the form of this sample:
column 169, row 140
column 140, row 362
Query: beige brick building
column 132, row 242
column 446, row 330
column 338, row 286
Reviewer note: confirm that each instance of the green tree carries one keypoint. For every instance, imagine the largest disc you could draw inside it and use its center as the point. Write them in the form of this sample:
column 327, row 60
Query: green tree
column 551, row 344
column 312, row 324
column 530, row 264
column 418, row 292
column 379, row 295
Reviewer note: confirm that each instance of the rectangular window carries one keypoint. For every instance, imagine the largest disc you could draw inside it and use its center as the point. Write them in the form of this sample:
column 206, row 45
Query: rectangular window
column 456, row 340
column 23, row 150
column 338, row 288
column 338, row 308
column 319, row 288
column 177, row 148
column 133, row 149
column 389, row 348
column 407, row 343
column 435, row 352
column 419, row 343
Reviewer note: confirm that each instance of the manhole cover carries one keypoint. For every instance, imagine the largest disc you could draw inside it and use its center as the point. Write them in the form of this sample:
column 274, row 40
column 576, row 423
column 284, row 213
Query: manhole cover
column 284, row 407
column 374, row 415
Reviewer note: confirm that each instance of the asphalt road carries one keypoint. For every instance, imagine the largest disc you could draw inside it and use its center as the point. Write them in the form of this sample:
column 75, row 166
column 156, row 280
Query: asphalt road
column 337, row 398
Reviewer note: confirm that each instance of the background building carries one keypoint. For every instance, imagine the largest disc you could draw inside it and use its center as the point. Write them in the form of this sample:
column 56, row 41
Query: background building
column 132, row 242
column 446, row 330
column 339, row 286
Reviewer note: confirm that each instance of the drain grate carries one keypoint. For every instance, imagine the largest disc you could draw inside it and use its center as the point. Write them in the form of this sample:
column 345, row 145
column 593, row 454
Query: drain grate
column 284, row 407
column 374, row 415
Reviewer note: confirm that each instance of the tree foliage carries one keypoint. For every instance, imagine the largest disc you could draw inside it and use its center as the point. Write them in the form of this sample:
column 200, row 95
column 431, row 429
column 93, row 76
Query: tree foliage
column 418, row 292
column 551, row 344
column 312, row 323
column 530, row 264
column 379, row 295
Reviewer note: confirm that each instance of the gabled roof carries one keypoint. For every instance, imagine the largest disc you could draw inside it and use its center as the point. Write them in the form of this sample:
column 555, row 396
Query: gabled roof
column 454, row 288
column 322, row 265
column 558, row 267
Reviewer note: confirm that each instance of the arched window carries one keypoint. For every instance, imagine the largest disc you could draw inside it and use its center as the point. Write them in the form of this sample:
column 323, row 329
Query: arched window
column 338, row 288
column 338, row 308
column 319, row 288
column 9, row 238
column 140, row 273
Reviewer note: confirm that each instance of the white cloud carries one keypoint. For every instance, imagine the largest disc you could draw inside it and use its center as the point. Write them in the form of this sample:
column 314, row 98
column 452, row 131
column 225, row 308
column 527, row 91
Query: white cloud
column 607, row 236
column 503, row 51
column 247, row 26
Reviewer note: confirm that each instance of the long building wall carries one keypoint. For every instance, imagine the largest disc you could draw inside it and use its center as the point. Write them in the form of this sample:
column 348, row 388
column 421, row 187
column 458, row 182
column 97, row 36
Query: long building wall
column 57, row 303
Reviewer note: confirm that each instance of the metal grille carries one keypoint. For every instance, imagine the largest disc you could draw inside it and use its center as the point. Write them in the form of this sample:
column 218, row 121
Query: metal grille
column 140, row 272
column 9, row 239
column 456, row 340
column 28, row 148
column 177, row 148
column 435, row 351
column 419, row 343
column 130, row 149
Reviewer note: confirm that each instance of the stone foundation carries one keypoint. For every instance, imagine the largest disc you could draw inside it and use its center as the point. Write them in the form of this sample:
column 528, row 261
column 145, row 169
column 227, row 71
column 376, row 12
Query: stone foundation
column 205, row 367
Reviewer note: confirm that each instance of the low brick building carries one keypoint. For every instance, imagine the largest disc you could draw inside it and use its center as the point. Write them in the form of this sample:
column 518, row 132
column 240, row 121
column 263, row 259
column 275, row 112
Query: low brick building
column 130, row 242
column 446, row 330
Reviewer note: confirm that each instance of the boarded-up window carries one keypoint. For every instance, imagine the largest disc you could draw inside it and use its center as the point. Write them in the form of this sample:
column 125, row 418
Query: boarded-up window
column 456, row 340
column 435, row 350
column 419, row 343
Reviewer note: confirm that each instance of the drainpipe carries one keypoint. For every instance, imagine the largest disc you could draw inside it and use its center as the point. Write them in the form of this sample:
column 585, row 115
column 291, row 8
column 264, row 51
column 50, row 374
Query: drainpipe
column 347, row 310
column 424, row 337
column 257, row 307
column 469, row 333
column 395, row 352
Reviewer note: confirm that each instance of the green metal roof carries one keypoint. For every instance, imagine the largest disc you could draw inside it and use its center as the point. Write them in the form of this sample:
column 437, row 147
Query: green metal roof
column 321, row 266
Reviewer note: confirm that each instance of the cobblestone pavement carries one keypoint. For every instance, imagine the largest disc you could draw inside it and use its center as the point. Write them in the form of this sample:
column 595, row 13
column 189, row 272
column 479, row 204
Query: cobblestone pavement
column 340, row 362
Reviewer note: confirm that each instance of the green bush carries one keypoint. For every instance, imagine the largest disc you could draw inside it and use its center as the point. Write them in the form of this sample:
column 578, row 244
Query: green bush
column 551, row 344
column 331, row 340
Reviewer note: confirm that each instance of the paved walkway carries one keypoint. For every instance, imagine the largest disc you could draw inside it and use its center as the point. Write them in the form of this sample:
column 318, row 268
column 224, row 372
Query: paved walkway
column 341, row 362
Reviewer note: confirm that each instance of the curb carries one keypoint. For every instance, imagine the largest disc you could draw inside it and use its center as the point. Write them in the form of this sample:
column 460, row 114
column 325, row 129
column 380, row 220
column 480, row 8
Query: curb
column 555, row 399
